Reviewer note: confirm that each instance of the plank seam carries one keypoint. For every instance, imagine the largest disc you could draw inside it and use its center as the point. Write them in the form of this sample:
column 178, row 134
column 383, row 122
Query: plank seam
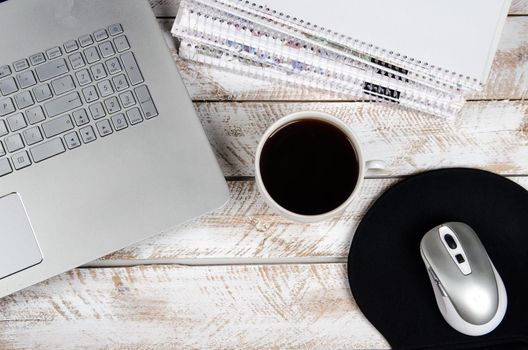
column 208, row 262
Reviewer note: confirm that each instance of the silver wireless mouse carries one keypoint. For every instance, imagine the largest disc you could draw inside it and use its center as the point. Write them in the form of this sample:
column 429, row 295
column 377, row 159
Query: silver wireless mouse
column 468, row 289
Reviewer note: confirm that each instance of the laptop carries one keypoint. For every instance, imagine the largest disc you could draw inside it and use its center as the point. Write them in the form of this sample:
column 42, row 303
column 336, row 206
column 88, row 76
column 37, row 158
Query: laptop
column 100, row 146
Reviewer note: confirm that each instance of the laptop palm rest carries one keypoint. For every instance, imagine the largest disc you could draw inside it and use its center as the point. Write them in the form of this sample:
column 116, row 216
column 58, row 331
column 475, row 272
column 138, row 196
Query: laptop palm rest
column 18, row 246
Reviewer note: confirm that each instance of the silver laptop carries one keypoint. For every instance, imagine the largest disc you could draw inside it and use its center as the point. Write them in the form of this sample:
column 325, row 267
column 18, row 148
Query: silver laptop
column 99, row 144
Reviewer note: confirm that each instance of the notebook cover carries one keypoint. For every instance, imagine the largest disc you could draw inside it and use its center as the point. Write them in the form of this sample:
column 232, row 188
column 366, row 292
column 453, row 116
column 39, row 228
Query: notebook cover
column 458, row 36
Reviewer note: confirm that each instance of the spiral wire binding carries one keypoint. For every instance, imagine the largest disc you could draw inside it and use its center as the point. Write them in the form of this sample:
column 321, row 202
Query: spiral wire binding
column 426, row 71
column 204, row 30
column 214, row 16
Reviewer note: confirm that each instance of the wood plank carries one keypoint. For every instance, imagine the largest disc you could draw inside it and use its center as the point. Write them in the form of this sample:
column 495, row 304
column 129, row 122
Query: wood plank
column 519, row 7
column 508, row 78
column 246, row 228
column 489, row 135
column 222, row 307
column 169, row 8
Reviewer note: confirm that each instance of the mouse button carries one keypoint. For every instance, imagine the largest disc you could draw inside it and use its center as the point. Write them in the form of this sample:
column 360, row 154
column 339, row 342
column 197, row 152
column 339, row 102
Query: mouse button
column 19, row 249
column 474, row 298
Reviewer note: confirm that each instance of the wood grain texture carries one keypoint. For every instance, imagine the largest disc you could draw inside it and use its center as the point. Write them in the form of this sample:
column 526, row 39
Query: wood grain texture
column 162, row 307
column 248, row 229
column 169, row 8
column 519, row 7
column 508, row 78
column 489, row 135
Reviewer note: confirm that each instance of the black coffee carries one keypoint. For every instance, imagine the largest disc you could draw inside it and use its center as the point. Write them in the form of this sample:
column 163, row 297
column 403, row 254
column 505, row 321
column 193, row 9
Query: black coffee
column 309, row 167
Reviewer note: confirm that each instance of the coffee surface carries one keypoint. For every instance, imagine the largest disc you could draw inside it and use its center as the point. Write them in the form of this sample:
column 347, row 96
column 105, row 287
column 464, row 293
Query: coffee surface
column 309, row 167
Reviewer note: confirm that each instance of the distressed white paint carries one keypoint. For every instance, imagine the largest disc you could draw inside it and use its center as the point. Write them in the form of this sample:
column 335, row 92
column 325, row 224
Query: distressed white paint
column 293, row 306
column 489, row 135
column 246, row 229
column 221, row 307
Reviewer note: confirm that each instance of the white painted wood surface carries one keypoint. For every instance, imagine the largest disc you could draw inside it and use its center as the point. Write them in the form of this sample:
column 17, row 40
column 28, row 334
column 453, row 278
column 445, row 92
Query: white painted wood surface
column 172, row 307
column 240, row 298
column 246, row 230
column 488, row 134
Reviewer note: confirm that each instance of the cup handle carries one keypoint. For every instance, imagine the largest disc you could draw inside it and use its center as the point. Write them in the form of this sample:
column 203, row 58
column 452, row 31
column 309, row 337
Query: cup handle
column 375, row 168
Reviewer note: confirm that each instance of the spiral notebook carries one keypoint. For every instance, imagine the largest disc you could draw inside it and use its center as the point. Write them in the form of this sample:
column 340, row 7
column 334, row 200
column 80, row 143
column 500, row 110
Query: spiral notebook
column 268, row 43
column 440, row 36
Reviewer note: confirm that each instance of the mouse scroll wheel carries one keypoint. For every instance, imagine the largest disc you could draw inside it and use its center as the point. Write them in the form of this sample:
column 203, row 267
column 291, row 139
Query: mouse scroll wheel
column 450, row 241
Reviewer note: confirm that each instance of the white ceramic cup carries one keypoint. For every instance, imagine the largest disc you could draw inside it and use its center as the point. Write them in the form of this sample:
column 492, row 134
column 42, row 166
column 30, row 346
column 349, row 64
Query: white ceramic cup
column 375, row 166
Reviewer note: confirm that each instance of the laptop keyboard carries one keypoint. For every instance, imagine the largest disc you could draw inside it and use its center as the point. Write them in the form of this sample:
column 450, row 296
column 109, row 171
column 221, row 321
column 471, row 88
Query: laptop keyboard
column 68, row 96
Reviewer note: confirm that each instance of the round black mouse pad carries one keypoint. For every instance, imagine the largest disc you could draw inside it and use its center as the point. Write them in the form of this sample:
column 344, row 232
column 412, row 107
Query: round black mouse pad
column 388, row 278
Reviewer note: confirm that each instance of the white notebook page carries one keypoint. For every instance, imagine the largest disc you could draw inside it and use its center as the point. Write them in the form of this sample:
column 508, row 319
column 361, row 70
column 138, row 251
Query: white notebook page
column 458, row 35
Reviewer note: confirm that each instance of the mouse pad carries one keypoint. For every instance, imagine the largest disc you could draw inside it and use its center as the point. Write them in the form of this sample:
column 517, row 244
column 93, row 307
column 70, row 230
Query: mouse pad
column 387, row 275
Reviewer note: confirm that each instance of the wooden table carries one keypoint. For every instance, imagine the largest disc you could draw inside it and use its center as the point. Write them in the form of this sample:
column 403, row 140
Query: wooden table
column 243, row 277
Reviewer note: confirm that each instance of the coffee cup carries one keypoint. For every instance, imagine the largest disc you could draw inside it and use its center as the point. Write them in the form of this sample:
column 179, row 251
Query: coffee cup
column 315, row 132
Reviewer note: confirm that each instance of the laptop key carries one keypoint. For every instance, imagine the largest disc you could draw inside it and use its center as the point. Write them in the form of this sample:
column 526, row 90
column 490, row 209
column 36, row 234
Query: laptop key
column 37, row 59
column 119, row 121
column 6, row 107
column 97, row 110
column 21, row 160
column 5, row 71
column 63, row 104
column 54, row 53
column 72, row 140
column 3, row 128
column 47, row 150
column 113, row 66
column 134, row 116
column 100, row 35
column 2, row 150
column 52, row 69
column 21, row 65
column 57, row 126
column 149, row 110
column 127, row 99
column 90, row 94
column 8, row 86
column 86, row 40
column 142, row 94
column 132, row 68
column 98, row 71
column 26, row 79
column 63, row 85
column 16, row 122
column 87, row 134
column 24, row 99
column 14, row 142
column 115, row 29
column 107, row 49
column 5, row 167
column 91, row 55
column 83, row 77
column 35, row 115
column 105, row 88
column 104, row 128
column 32, row 135
column 120, row 82
column 70, row 46
column 121, row 43
column 76, row 60
column 80, row 117
column 42, row 92
column 112, row 105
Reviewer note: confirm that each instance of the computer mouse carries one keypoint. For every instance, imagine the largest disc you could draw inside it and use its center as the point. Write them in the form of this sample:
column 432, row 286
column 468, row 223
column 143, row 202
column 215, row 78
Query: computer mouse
column 469, row 291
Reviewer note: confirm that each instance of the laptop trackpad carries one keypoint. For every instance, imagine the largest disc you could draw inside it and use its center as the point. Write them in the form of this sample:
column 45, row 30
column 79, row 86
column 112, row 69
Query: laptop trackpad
column 18, row 245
